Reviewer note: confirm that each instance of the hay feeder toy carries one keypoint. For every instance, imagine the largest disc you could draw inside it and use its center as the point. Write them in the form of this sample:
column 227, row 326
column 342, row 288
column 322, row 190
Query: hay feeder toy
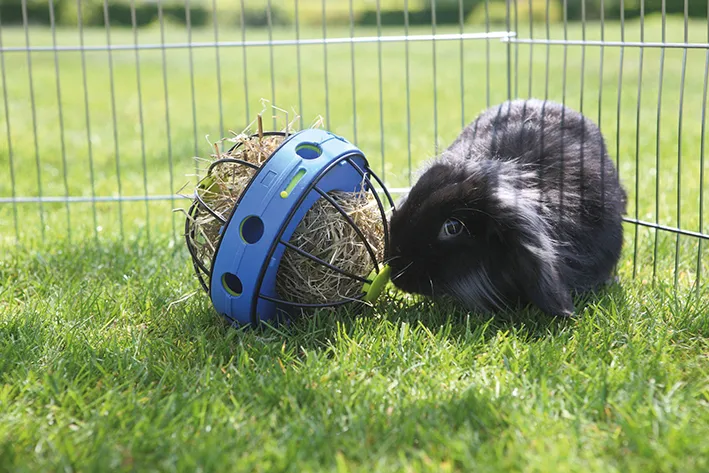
column 308, row 169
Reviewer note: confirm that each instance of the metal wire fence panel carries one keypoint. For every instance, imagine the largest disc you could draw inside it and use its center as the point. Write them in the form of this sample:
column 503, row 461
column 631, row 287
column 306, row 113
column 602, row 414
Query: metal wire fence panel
column 102, row 124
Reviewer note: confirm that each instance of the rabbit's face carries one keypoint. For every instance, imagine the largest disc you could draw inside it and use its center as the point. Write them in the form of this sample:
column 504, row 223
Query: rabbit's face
column 443, row 230
column 466, row 231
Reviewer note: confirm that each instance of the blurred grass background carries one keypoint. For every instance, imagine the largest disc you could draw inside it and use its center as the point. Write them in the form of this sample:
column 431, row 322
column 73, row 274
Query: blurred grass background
column 313, row 12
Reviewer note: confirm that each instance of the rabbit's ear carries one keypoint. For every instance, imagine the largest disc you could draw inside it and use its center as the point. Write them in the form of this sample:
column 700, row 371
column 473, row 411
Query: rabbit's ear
column 538, row 273
column 534, row 253
column 544, row 288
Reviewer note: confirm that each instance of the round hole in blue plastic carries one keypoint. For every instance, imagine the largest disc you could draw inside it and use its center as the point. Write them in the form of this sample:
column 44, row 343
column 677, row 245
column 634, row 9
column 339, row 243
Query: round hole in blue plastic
column 251, row 229
column 308, row 150
column 232, row 284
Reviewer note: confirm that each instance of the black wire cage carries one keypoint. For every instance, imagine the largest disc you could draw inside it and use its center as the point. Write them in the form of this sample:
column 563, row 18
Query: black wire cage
column 265, row 302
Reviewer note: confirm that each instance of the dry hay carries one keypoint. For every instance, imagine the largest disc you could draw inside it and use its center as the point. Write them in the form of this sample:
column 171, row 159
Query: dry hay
column 323, row 232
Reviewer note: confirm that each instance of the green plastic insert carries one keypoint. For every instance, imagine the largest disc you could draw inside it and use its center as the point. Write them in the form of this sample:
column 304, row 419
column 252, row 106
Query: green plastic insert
column 298, row 176
column 373, row 290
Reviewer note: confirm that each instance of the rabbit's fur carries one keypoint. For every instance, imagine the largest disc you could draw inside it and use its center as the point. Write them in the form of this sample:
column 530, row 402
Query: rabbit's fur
column 537, row 209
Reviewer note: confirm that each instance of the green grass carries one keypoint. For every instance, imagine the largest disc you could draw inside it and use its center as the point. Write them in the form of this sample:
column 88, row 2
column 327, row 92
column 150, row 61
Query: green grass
column 104, row 366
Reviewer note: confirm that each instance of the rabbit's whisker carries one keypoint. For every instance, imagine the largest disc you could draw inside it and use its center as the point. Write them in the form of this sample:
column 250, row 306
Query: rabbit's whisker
column 401, row 273
column 392, row 259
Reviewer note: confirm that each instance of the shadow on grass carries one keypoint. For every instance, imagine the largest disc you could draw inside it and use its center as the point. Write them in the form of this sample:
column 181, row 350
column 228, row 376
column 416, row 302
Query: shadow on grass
column 445, row 315
column 156, row 276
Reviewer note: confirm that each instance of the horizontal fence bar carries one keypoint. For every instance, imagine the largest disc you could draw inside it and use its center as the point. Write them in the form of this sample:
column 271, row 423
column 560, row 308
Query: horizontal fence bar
column 678, row 231
column 108, row 198
column 283, row 42
column 123, row 198
column 78, row 199
column 392, row 191
column 619, row 44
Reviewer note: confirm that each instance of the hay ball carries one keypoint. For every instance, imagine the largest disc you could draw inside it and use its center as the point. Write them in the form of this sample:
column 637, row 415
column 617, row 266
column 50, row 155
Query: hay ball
column 323, row 232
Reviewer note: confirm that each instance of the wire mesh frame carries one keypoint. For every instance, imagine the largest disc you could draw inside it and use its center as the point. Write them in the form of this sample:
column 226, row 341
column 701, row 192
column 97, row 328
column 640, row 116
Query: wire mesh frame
column 279, row 237
column 204, row 274
column 509, row 36
column 641, row 46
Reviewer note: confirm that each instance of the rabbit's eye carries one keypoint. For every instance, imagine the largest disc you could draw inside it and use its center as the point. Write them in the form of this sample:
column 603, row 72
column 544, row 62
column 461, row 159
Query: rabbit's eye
column 451, row 227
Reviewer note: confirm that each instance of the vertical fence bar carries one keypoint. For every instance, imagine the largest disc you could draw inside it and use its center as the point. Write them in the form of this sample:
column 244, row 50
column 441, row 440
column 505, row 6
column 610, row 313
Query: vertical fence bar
column 60, row 116
column 620, row 87
column 25, row 25
column 487, row 53
column 620, row 91
column 188, row 17
column 548, row 51
column 516, row 24
column 134, row 25
column 245, row 62
column 508, row 46
column 583, row 55
column 327, row 90
column 381, row 89
column 701, row 162
column 657, row 143
column 408, row 100
column 8, row 130
column 540, row 172
column 88, row 117
column 600, row 67
column 116, row 146
column 637, row 138
column 219, row 68
column 167, row 113
column 563, row 111
column 354, row 93
column 435, row 88
column 600, row 106
column 582, row 87
column 297, row 61
column 508, row 23
column 531, row 49
column 679, row 138
column 269, row 26
column 461, row 19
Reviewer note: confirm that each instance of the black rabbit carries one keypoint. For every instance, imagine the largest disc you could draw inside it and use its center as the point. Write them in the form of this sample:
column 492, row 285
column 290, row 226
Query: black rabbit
column 524, row 207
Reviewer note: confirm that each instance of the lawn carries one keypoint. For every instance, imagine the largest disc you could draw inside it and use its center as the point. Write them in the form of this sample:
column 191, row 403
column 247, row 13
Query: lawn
column 111, row 358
